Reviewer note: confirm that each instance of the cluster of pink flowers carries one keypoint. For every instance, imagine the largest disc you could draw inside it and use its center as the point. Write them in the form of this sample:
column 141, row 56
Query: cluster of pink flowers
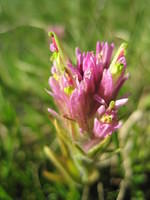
column 86, row 92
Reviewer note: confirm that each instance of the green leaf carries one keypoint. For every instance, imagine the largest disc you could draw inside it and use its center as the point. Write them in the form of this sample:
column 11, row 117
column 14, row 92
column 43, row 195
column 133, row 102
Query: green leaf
column 4, row 195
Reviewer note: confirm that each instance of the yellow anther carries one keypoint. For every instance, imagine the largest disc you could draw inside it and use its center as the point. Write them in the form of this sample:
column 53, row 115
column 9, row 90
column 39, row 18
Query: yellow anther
column 55, row 76
column 106, row 119
column 68, row 90
column 112, row 105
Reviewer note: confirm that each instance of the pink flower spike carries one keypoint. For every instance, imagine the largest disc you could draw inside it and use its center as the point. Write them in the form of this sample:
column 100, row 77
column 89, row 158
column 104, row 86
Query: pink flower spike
column 86, row 92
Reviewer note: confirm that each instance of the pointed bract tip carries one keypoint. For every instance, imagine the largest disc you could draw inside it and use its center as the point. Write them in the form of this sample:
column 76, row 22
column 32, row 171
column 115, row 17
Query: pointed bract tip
column 124, row 46
column 51, row 34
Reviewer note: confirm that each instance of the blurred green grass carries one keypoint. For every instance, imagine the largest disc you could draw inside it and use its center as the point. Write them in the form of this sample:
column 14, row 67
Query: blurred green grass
column 25, row 68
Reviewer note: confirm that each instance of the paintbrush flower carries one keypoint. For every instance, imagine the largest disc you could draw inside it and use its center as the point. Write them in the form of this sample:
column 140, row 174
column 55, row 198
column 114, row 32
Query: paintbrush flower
column 86, row 92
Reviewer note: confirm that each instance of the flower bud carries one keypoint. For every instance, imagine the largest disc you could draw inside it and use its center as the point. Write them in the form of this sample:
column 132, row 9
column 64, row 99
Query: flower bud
column 58, row 56
column 118, row 64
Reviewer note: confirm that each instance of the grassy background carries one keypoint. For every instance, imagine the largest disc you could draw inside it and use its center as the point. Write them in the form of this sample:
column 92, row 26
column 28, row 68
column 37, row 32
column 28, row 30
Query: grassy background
column 24, row 72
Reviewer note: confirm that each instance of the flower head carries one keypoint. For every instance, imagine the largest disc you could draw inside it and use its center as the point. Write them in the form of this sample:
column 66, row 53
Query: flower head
column 86, row 92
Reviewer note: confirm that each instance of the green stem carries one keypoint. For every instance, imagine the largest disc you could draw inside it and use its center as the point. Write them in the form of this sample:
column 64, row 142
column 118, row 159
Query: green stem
column 59, row 166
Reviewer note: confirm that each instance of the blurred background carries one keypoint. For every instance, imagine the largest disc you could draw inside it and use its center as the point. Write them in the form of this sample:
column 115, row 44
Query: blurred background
column 24, row 71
